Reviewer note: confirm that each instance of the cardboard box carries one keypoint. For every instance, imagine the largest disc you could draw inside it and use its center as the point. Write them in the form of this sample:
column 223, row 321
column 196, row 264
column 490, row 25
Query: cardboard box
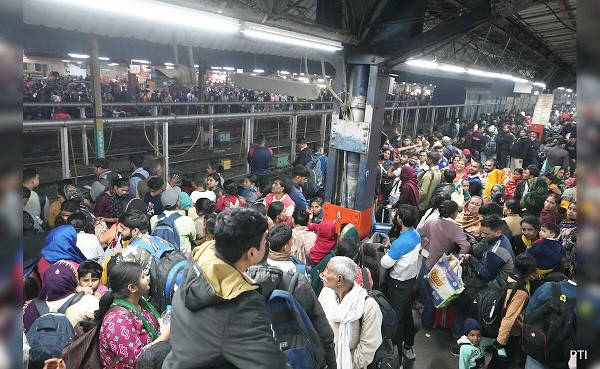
column 226, row 163
column 446, row 283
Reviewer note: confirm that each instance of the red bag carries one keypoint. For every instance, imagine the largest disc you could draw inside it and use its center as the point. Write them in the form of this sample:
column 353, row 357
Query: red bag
column 444, row 317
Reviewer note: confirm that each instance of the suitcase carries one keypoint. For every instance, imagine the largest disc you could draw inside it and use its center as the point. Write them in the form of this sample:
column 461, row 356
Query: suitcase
column 385, row 224
column 444, row 317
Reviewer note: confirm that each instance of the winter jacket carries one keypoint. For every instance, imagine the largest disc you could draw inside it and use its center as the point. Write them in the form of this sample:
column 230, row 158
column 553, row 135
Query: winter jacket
column 270, row 278
column 472, row 356
column 557, row 156
column 441, row 236
column 428, row 184
column 547, row 253
column 303, row 157
column 219, row 319
column 498, row 257
column 259, row 158
column 519, row 148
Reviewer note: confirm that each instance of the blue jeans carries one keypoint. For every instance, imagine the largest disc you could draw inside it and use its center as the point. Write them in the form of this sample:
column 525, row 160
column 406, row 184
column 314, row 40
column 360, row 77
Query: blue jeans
column 422, row 292
column 532, row 363
column 461, row 307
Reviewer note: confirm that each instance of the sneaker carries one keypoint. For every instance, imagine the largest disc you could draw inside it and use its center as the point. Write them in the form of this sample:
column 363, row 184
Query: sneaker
column 455, row 351
column 409, row 353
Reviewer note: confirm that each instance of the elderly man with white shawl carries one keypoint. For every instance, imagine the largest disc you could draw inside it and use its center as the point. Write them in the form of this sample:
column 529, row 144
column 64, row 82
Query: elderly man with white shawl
column 354, row 318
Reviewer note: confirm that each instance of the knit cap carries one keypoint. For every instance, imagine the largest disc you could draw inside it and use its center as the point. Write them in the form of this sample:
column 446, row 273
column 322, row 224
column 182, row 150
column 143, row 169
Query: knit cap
column 472, row 325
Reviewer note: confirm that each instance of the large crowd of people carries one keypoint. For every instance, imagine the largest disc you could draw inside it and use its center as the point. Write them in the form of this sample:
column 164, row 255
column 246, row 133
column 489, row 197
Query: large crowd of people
column 201, row 271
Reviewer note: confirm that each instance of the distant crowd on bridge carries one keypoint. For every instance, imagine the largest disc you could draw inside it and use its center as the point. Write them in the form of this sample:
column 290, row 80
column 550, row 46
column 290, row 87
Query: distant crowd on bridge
column 197, row 270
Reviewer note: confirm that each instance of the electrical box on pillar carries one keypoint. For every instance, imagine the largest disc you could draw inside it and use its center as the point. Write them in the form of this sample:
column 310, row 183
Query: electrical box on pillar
column 354, row 150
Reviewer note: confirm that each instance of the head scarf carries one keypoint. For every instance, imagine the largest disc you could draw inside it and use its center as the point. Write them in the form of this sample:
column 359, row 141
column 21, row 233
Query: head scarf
column 325, row 241
column 470, row 222
column 409, row 189
column 136, row 204
column 69, row 192
column 466, row 194
column 349, row 231
column 61, row 243
column 495, row 177
column 510, row 187
column 560, row 183
column 186, row 201
column 60, row 280
column 535, row 198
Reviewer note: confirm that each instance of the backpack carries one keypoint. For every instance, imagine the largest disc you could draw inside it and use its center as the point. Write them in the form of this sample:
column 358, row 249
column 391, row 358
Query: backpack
column 488, row 305
column 138, row 175
column 84, row 351
column 386, row 356
column 50, row 333
column 371, row 252
column 42, row 198
column 300, row 267
column 294, row 332
column 32, row 282
column 166, row 272
column 165, row 228
column 549, row 331
column 315, row 179
column 389, row 322
column 489, row 148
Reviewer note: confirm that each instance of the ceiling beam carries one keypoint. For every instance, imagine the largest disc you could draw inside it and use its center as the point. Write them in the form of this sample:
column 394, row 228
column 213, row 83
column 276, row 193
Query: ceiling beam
column 568, row 15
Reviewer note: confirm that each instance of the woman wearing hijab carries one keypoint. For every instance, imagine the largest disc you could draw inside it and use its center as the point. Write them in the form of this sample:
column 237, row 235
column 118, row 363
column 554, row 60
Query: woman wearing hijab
column 555, row 180
column 409, row 189
column 533, row 201
column 325, row 240
column 349, row 233
column 58, row 290
column 496, row 189
column 68, row 191
column 461, row 194
column 511, row 184
column 60, row 244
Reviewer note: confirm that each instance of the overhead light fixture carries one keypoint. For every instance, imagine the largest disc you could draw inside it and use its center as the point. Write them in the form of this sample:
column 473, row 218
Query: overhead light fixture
column 145, row 10
column 393, row 75
column 65, row 61
column 477, row 72
column 452, row 68
column 560, row 88
column 78, row 62
column 320, row 80
column 170, row 67
column 216, row 68
column 284, row 72
column 536, row 92
column 140, row 61
column 252, row 74
column 169, row 64
column 539, row 84
column 79, row 56
column 304, row 79
column 569, row 90
column 239, row 71
column 258, row 71
column 267, row 33
column 423, row 63
column 196, row 66
column 113, row 64
column 103, row 58
column 228, row 68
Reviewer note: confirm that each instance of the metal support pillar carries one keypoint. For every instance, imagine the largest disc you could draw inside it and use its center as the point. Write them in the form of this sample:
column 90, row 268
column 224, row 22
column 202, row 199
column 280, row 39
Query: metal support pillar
column 166, row 149
column 97, row 98
column 192, row 68
column 156, row 141
column 448, row 112
column 433, row 115
column 252, row 123
column 176, row 54
column 211, row 128
column 323, row 129
column 84, row 144
column 64, row 152
column 416, row 122
column 457, row 112
column 294, row 134
column 248, row 138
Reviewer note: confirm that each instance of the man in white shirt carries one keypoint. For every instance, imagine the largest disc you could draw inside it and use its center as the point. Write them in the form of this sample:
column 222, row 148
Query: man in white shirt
column 87, row 243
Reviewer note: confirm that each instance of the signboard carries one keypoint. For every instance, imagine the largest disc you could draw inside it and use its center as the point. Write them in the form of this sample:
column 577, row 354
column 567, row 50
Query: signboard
column 135, row 69
column 543, row 108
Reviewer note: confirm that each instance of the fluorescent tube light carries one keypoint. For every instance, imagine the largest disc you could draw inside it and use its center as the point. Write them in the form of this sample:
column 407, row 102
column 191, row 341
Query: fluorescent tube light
column 239, row 71
column 146, row 10
column 228, row 68
column 113, row 64
column 423, row 63
column 569, row 90
column 451, row 68
column 140, row 61
column 196, row 65
column 304, row 79
column 393, row 75
column 284, row 72
column 103, row 58
column 65, row 61
column 258, row 71
column 539, row 84
column 267, row 33
column 170, row 67
column 561, row 88
column 169, row 64
column 79, row 56
column 320, row 80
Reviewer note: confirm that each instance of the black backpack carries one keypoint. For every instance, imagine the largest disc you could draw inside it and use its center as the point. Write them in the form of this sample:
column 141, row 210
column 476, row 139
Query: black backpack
column 50, row 333
column 166, row 272
column 488, row 305
column 549, row 331
column 371, row 252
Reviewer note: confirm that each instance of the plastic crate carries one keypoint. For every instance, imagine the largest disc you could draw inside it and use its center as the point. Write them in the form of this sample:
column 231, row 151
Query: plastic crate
column 280, row 160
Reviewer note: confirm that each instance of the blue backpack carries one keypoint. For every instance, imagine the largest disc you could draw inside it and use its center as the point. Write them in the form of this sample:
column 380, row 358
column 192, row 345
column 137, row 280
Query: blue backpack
column 166, row 271
column 300, row 267
column 165, row 228
column 294, row 332
column 51, row 332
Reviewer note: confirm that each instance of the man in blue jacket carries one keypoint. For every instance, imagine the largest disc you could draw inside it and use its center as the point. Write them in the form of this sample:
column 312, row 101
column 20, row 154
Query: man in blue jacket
column 299, row 177
column 259, row 158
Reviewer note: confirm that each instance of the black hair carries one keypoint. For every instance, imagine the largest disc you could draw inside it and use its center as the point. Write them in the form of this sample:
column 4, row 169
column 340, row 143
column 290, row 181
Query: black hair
column 120, row 277
column 137, row 160
column 29, row 174
column 236, row 231
column 135, row 219
column 186, row 180
column 447, row 208
column 449, row 175
column 283, row 182
column 216, row 166
column 72, row 206
column 493, row 161
column 475, row 188
column 519, row 170
column 154, row 358
column 301, row 140
column 533, row 221
column 557, row 198
column 493, row 222
column 552, row 227
column 491, row 209
column 533, row 170
column 260, row 137
column 204, row 206
column 347, row 247
column 408, row 214
column 513, row 206
column 100, row 163
column 279, row 236
column 198, row 178
column 230, row 188
column 274, row 210
column 252, row 178
column 497, row 198
column 89, row 267
column 259, row 208
column 120, row 182
column 300, row 217
column 155, row 183
column 209, row 223
column 77, row 220
column 433, row 156
column 317, row 199
column 300, row 170
column 525, row 265
column 26, row 192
